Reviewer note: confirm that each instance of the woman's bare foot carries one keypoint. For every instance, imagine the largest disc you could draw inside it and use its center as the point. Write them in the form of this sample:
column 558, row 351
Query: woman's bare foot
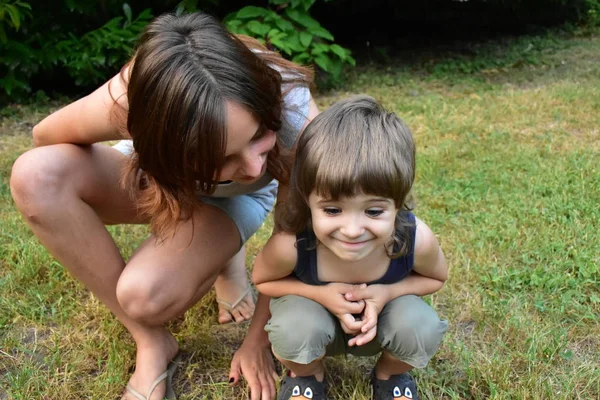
column 154, row 352
column 236, row 302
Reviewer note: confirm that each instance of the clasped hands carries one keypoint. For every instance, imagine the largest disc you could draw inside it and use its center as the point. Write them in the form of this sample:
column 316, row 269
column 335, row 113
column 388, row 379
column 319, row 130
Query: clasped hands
column 357, row 307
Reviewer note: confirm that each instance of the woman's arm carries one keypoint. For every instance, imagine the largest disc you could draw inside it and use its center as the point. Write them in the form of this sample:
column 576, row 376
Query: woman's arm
column 88, row 120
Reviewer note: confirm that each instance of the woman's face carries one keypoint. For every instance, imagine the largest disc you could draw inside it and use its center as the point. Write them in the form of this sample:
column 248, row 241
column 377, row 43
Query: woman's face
column 248, row 144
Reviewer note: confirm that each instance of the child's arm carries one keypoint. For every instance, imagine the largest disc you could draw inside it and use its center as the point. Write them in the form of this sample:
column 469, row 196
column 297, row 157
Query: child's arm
column 274, row 262
column 430, row 270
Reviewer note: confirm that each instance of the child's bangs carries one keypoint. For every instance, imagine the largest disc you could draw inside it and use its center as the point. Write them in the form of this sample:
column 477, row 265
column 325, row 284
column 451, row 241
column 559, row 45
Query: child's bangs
column 350, row 176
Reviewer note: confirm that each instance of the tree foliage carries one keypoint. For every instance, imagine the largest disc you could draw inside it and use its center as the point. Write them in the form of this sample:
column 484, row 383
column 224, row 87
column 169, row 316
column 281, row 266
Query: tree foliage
column 68, row 44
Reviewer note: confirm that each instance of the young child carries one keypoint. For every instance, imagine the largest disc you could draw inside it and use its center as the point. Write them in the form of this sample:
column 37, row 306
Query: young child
column 346, row 271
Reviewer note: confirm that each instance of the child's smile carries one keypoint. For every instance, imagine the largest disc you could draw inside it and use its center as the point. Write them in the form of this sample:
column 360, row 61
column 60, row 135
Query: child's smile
column 353, row 227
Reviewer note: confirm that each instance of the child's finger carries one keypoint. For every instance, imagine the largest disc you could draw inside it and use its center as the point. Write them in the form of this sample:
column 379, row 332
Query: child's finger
column 355, row 307
column 370, row 323
column 370, row 318
column 350, row 323
column 366, row 337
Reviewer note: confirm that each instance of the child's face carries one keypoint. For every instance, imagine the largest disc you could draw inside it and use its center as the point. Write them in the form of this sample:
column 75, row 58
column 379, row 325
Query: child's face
column 352, row 227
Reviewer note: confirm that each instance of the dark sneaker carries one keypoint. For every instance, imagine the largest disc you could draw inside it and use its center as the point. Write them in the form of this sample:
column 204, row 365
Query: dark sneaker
column 397, row 387
column 300, row 388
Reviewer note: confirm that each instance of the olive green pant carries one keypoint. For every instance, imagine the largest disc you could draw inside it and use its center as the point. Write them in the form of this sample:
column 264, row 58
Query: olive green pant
column 302, row 330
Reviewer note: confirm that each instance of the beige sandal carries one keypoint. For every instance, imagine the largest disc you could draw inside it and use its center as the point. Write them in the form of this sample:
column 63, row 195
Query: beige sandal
column 229, row 307
column 167, row 375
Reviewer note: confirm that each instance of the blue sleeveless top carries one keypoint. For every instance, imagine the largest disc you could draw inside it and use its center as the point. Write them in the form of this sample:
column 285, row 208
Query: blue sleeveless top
column 306, row 266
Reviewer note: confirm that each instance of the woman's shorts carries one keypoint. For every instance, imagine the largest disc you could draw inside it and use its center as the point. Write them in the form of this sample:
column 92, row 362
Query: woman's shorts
column 302, row 330
column 248, row 211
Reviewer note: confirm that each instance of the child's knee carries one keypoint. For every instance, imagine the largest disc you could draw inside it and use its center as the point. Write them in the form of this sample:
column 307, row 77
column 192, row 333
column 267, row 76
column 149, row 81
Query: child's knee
column 299, row 329
column 411, row 330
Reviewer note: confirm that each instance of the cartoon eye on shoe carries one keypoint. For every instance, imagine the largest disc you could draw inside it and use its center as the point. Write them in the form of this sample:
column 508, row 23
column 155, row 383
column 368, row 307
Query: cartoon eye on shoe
column 308, row 393
column 296, row 391
column 398, row 393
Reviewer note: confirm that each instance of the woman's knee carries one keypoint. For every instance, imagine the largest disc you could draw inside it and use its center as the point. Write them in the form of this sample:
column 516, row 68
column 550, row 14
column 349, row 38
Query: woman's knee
column 38, row 178
column 147, row 295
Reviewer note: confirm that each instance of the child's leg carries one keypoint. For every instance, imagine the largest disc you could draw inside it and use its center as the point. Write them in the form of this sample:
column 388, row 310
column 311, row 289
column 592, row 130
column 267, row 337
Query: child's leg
column 410, row 333
column 388, row 365
column 300, row 331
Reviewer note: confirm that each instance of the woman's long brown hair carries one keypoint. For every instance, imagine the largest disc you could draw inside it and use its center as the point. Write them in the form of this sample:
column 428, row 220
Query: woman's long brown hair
column 184, row 70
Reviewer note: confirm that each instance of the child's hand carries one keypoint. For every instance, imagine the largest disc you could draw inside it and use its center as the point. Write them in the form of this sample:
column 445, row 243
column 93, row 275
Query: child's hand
column 332, row 297
column 377, row 295
column 369, row 328
column 375, row 298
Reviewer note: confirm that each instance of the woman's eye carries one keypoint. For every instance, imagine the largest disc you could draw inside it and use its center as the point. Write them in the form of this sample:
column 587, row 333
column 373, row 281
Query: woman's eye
column 373, row 212
column 332, row 211
column 260, row 133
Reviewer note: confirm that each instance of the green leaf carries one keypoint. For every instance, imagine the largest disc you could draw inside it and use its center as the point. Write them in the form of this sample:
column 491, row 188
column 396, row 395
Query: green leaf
column 252, row 12
column 302, row 18
column 302, row 58
column 293, row 41
column 323, row 61
column 319, row 48
column 128, row 14
column 281, row 45
column 15, row 15
column 321, row 32
column 258, row 28
column 339, row 50
column 350, row 60
column 306, row 38
column 285, row 25
column 233, row 25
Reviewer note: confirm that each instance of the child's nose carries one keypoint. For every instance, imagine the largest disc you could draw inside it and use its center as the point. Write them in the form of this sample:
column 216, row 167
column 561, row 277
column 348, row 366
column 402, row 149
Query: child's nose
column 352, row 228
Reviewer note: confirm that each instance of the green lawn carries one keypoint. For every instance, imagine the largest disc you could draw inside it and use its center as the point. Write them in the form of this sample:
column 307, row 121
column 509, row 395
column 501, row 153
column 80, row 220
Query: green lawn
column 508, row 178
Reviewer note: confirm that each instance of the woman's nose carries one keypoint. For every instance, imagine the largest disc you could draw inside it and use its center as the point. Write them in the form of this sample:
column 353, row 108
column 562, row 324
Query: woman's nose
column 253, row 166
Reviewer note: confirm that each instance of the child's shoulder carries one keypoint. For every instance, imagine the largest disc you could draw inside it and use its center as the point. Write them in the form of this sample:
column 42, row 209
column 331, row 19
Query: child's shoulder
column 426, row 243
column 424, row 236
column 281, row 248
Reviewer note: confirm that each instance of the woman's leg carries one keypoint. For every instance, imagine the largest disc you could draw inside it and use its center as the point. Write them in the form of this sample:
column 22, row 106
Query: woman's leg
column 231, row 283
column 66, row 193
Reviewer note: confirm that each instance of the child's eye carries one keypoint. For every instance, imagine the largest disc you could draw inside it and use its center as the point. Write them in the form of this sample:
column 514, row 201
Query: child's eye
column 374, row 212
column 332, row 210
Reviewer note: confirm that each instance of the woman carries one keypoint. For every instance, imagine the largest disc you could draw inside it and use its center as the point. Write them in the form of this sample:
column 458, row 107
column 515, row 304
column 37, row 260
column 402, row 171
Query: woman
column 212, row 119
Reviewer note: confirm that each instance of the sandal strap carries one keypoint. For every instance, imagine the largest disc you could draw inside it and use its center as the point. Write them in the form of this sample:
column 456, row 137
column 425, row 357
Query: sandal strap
column 156, row 382
column 231, row 306
column 134, row 392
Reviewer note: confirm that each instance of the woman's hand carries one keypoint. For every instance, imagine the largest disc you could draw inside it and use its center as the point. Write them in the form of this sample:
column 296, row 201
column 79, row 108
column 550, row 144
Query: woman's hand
column 254, row 362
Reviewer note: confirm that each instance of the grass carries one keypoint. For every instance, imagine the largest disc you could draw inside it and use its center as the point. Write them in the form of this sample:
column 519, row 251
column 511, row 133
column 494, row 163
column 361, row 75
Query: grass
column 507, row 178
